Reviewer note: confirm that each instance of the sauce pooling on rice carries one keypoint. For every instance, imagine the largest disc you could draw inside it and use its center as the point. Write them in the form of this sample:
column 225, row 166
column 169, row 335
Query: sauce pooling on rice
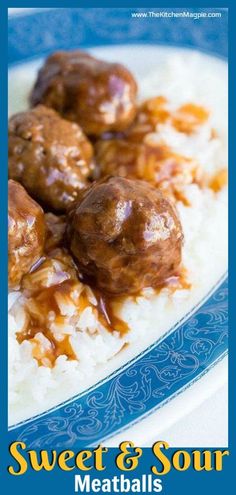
column 142, row 151
column 128, row 237
column 56, row 296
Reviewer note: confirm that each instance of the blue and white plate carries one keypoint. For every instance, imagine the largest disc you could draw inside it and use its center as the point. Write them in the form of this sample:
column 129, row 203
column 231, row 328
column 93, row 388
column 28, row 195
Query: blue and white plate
column 170, row 377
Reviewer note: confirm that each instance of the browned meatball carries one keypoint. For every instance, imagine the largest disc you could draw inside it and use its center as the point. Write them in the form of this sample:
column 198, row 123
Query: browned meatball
column 25, row 233
column 125, row 235
column 100, row 96
column 50, row 156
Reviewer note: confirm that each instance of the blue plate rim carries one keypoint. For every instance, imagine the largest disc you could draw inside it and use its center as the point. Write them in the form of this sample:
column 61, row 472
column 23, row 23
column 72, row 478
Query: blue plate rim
column 124, row 367
column 46, row 421
column 42, row 434
column 209, row 53
column 169, row 399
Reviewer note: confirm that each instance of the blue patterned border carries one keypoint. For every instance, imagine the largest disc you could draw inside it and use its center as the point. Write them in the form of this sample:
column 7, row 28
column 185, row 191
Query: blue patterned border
column 198, row 342
column 156, row 376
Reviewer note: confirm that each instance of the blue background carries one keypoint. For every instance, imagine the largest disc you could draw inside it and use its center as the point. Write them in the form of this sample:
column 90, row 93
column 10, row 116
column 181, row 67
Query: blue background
column 66, row 28
column 195, row 345
column 60, row 482
column 174, row 483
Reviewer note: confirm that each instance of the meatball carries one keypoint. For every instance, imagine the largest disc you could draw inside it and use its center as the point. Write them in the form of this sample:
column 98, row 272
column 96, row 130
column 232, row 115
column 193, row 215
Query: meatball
column 100, row 96
column 25, row 233
column 124, row 235
column 50, row 156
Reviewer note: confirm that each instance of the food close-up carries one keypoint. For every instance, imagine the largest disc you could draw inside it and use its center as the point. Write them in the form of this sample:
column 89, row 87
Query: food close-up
column 117, row 222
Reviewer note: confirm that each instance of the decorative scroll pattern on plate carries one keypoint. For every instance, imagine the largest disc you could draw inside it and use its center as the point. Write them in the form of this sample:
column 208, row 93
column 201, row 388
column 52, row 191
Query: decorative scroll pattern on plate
column 189, row 349
column 153, row 378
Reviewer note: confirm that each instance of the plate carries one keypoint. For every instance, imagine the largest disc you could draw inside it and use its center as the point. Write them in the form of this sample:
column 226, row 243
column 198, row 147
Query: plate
column 162, row 378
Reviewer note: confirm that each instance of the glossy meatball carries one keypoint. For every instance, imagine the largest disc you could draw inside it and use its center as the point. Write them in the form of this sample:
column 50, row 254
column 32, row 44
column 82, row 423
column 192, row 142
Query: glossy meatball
column 25, row 233
column 100, row 96
column 125, row 235
column 50, row 156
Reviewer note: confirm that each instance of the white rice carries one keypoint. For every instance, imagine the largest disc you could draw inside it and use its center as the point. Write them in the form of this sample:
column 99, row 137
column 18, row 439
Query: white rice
column 33, row 388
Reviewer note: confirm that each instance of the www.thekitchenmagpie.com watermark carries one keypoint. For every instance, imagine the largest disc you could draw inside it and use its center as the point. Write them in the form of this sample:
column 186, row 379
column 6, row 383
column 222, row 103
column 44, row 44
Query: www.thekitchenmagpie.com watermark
column 171, row 14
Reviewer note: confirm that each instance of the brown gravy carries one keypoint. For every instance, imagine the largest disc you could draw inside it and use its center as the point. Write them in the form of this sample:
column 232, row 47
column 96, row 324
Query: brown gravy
column 189, row 117
column 160, row 165
column 44, row 301
column 57, row 348
column 107, row 314
column 41, row 302
column 219, row 180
